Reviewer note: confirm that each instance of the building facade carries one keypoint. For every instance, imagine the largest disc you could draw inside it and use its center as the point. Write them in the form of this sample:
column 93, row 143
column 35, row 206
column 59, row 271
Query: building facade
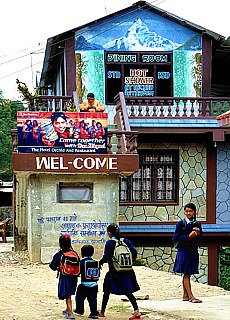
column 158, row 76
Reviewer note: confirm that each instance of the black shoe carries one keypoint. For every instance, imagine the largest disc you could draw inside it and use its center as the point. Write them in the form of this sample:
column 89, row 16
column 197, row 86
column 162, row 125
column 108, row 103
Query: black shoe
column 93, row 317
column 78, row 314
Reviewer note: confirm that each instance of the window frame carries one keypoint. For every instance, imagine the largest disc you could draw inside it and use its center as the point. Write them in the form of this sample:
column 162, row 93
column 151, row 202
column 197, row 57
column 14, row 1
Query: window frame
column 75, row 186
column 154, row 200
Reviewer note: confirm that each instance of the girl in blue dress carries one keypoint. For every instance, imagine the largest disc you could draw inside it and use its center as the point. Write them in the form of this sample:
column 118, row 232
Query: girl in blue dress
column 186, row 235
column 120, row 283
column 66, row 284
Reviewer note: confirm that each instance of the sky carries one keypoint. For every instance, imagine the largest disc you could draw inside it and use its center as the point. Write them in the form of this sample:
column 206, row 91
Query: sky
column 26, row 25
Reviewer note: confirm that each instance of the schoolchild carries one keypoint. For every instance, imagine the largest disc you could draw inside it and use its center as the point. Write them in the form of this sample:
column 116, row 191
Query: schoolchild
column 187, row 233
column 88, row 288
column 66, row 284
column 119, row 283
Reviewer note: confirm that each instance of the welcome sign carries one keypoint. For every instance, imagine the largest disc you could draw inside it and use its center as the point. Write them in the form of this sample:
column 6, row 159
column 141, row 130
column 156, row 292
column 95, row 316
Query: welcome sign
column 62, row 132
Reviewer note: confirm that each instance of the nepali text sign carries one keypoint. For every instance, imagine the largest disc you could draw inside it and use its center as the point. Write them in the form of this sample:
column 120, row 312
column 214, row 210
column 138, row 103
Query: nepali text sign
column 62, row 132
column 88, row 232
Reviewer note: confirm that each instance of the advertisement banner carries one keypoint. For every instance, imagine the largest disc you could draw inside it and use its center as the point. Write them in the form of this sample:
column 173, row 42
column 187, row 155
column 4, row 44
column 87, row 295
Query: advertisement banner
column 62, row 132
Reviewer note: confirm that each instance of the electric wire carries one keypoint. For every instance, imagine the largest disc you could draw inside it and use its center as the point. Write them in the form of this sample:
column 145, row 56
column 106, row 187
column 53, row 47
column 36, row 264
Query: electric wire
column 70, row 48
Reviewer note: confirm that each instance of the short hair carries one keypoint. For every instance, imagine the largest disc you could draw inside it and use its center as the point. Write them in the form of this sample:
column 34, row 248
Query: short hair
column 56, row 115
column 90, row 95
column 87, row 250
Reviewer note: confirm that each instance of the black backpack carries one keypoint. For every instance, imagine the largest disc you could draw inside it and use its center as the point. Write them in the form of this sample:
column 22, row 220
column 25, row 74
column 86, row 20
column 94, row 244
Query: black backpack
column 92, row 270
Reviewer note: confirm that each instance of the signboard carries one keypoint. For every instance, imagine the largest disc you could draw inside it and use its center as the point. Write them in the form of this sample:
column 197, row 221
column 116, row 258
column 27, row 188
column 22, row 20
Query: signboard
column 150, row 57
column 138, row 82
column 81, row 163
column 138, row 74
column 62, row 132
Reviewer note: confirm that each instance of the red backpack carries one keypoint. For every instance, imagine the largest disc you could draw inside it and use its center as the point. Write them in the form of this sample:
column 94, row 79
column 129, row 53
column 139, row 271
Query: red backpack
column 70, row 263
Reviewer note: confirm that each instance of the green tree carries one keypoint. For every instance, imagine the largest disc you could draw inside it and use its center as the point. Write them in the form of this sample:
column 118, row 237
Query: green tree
column 26, row 95
column 8, row 121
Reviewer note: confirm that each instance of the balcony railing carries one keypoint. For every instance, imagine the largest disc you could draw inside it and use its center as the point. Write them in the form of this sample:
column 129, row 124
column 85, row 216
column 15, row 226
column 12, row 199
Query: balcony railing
column 138, row 108
column 55, row 103
column 168, row 107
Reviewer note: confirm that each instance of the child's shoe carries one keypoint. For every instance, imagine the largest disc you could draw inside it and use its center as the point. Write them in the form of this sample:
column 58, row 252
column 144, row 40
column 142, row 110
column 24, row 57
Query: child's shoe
column 136, row 315
column 101, row 314
column 78, row 314
column 69, row 317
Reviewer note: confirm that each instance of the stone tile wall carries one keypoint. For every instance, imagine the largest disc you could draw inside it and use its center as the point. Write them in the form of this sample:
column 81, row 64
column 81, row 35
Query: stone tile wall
column 223, row 184
column 163, row 258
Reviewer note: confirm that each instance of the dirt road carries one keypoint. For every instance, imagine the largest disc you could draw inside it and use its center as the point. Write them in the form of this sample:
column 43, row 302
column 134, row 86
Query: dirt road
column 29, row 292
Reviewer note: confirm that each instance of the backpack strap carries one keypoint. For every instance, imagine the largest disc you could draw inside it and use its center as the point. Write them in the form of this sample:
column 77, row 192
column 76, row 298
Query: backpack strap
column 117, row 240
column 184, row 223
column 61, row 256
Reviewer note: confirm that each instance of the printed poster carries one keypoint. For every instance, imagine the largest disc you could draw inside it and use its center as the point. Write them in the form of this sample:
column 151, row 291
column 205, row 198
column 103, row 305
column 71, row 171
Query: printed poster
column 62, row 132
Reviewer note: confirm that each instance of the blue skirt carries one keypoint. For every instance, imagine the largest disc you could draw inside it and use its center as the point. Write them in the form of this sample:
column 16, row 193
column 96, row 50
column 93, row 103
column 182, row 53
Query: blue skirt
column 186, row 262
column 120, row 282
column 66, row 286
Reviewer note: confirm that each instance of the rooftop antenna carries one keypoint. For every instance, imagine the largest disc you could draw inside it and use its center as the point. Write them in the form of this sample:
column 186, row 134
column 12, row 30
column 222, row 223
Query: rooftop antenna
column 105, row 8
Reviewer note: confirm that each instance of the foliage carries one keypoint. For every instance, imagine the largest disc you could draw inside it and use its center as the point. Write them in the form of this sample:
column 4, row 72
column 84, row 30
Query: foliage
column 219, row 108
column 71, row 107
column 8, row 121
column 225, row 268
column 225, row 277
column 120, row 309
column 30, row 98
column 140, row 262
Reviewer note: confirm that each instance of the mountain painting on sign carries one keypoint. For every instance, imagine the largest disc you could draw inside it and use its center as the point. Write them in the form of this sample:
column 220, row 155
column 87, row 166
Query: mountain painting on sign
column 139, row 31
column 145, row 32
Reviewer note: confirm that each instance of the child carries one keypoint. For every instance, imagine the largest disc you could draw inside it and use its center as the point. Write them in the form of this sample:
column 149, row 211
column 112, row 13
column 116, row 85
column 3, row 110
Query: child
column 89, row 286
column 66, row 284
column 120, row 283
column 187, row 259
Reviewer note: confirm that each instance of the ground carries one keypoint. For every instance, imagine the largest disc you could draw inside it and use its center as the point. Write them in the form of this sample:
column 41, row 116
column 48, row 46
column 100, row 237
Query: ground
column 29, row 292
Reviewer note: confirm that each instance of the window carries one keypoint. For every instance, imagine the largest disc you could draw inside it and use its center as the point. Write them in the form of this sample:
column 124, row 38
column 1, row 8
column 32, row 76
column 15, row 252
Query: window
column 138, row 74
column 155, row 181
column 75, row 192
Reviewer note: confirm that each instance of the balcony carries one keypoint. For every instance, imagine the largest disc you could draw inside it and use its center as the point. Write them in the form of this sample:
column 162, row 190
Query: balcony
column 133, row 115
column 54, row 103
column 154, row 108
column 172, row 114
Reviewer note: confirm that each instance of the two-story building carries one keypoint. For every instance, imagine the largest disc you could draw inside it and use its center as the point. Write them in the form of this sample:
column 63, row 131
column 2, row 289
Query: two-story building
column 164, row 82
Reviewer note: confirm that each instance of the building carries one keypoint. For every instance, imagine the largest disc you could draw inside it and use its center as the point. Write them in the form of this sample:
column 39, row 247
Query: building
column 6, row 190
column 164, row 83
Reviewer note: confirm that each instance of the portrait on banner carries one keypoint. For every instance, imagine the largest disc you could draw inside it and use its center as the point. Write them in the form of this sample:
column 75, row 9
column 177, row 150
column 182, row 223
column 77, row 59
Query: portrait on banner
column 62, row 132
